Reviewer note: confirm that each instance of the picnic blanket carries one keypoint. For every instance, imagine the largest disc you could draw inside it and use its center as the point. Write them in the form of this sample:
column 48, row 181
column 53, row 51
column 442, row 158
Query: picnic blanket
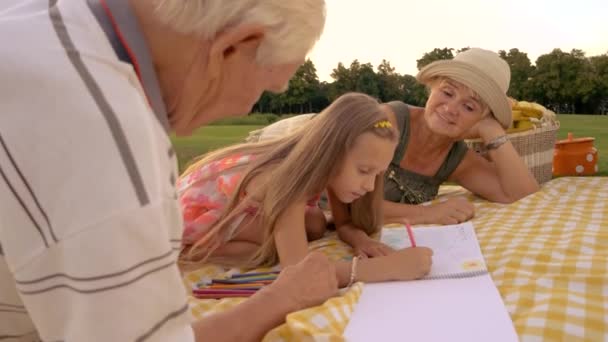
column 547, row 254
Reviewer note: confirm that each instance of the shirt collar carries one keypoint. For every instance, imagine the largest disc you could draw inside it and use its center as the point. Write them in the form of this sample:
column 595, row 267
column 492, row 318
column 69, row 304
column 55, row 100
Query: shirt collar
column 120, row 25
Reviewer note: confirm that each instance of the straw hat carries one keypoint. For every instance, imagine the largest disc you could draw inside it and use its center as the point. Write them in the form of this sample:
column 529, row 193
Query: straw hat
column 481, row 70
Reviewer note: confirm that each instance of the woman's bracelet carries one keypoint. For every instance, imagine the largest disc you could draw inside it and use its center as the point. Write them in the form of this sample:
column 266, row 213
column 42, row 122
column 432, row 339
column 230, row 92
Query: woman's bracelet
column 353, row 270
column 495, row 143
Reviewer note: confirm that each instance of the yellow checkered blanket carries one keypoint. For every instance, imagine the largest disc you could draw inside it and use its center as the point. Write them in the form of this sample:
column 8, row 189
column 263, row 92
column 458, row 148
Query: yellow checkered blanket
column 548, row 256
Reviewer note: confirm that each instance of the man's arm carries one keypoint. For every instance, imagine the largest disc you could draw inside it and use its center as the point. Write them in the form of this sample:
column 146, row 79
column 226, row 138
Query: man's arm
column 248, row 321
column 305, row 284
column 113, row 280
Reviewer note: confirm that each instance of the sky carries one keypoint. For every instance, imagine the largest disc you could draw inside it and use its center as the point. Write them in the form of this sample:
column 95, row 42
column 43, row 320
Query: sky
column 401, row 31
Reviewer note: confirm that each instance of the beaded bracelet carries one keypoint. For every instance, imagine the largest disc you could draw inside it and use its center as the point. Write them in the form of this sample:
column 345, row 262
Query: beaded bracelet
column 494, row 144
column 353, row 270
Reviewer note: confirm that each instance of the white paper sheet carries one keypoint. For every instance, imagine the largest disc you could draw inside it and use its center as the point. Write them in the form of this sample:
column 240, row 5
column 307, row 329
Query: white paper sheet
column 468, row 309
column 455, row 248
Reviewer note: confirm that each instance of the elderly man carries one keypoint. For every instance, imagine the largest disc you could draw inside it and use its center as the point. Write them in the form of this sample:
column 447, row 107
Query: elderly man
column 89, row 223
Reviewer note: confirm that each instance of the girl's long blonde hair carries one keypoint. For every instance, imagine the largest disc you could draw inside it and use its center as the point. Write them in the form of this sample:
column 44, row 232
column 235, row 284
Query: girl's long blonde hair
column 300, row 166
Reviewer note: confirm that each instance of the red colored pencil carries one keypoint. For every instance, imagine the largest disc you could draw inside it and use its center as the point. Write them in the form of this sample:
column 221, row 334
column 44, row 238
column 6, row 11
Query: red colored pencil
column 216, row 294
column 220, row 296
column 410, row 233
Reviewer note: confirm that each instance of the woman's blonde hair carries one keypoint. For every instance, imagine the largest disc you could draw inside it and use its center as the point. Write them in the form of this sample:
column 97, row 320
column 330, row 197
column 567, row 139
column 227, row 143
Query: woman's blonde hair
column 300, row 166
column 293, row 27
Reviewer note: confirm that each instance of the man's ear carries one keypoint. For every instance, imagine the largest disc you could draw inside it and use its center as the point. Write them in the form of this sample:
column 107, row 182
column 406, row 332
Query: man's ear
column 243, row 40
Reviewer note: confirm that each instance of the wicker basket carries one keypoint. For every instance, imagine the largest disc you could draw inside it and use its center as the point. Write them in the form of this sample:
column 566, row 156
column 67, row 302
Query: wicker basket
column 535, row 146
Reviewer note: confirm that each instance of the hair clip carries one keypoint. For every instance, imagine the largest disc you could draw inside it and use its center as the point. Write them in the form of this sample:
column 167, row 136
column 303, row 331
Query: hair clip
column 383, row 124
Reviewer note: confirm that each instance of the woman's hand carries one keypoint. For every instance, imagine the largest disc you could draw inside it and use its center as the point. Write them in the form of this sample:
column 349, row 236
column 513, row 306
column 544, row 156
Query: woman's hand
column 487, row 129
column 453, row 211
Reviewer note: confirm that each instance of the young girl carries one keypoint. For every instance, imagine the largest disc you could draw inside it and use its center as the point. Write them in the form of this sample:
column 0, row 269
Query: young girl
column 247, row 204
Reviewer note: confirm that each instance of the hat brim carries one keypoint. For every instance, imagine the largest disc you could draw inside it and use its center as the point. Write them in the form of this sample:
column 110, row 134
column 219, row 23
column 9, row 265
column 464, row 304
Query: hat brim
column 476, row 80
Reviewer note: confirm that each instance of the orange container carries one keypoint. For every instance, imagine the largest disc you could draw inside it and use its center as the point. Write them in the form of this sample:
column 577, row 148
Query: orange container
column 575, row 157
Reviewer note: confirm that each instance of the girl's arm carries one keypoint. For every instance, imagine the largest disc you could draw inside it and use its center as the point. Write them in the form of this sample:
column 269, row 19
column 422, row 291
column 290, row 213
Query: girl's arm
column 346, row 231
column 292, row 247
column 361, row 243
column 292, row 244
column 290, row 234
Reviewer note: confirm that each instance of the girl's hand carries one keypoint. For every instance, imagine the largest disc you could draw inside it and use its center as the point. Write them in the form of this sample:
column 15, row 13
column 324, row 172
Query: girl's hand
column 408, row 264
column 368, row 247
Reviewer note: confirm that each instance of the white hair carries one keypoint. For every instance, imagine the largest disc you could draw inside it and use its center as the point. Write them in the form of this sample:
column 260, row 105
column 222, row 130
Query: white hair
column 293, row 26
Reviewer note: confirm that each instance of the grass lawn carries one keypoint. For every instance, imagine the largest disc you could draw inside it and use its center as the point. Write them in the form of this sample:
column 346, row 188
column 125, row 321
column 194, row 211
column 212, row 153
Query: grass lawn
column 207, row 139
column 212, row 137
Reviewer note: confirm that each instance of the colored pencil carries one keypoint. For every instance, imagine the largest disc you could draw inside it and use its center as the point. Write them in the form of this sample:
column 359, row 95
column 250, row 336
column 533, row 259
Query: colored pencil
column 219, row 291
column 247, row 275
column 220, row 296
column 234, row 286
column 243, row 281
column 410, row 233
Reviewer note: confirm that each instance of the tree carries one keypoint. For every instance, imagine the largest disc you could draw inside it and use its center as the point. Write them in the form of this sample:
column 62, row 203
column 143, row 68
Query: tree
column 320, row 99
column 389, row 82
column 564, row 81
column 343, row 81
column 367, row 80
column 599, row 65
column 521, row 71
column 358, row 77
column 414, row 93
column 567, row 82
column 263, row 104
column 303, row 93
column 435, row 55
column 302, row 88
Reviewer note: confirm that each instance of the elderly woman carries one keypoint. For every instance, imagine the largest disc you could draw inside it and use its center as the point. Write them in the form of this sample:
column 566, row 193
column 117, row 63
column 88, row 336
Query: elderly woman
column 467, row 99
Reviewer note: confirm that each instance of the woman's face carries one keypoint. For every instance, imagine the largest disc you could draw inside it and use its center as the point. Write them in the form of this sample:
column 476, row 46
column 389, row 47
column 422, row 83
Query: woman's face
column 452, row 109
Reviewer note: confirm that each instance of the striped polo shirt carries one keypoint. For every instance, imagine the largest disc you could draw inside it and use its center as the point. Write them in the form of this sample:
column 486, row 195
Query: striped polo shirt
column 90, row 226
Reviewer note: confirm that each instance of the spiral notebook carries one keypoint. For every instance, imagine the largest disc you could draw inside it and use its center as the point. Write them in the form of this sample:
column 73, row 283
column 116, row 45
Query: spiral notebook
column 456, row 252
column 457, row 301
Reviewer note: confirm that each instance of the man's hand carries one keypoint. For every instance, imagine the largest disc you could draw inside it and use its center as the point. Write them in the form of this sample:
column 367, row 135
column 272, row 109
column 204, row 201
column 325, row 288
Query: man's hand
column 310, row 282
